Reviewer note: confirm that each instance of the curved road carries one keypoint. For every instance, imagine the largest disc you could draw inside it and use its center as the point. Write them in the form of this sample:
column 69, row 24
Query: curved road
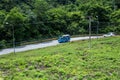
column 39, row 45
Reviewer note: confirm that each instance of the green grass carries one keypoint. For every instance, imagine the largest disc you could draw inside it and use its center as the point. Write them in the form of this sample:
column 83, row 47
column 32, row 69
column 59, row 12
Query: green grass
column 68, row 61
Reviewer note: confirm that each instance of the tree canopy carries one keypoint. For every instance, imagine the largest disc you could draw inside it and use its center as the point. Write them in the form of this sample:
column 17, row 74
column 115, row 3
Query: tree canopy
column 34, row 19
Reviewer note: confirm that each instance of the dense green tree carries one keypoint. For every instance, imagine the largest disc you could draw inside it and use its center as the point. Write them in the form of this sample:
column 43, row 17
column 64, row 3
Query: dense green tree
column 103, row 13
column 34, row 19
column 115, row 19
column 2, row 16
column 15, row 20
column 74, row 20
column 41, row 6
column 2, row 37
column 57, row 19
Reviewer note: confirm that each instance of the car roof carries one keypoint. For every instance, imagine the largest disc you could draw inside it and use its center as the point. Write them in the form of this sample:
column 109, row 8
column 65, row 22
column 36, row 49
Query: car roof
column 66, row 35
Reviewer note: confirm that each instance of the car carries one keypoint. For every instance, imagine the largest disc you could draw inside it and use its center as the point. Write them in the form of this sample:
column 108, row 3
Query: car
column 109, row 34
column 64, row 38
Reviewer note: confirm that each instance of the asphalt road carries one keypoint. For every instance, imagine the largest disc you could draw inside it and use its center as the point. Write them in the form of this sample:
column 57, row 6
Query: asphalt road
column 39, row 45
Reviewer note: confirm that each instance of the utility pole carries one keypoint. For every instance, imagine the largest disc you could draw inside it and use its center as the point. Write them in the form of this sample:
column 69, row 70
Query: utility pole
column 89, row 31
column 13, row 38
column 97, row 26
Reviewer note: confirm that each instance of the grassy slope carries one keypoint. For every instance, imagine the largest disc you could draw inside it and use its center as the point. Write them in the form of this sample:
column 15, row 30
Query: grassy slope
column 73, row 61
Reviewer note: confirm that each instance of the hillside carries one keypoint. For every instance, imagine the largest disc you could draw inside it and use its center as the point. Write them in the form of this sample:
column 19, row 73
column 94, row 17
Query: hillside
column 69, row 61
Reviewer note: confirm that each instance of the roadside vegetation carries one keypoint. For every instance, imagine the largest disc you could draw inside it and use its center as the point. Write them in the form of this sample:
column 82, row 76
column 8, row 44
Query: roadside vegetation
column 35, row 20
column 68, row 61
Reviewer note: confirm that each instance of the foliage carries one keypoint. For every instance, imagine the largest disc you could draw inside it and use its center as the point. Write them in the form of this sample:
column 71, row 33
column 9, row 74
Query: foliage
column 15, row 19
column 69, row 61
column 35, row 19
column 115, row 18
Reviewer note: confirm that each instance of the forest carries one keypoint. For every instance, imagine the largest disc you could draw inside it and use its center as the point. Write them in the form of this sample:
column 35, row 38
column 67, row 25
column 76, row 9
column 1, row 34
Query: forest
column 37, row 19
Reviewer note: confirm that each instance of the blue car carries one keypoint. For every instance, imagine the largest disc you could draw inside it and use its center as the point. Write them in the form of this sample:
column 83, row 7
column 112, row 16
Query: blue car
column 64, row 38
